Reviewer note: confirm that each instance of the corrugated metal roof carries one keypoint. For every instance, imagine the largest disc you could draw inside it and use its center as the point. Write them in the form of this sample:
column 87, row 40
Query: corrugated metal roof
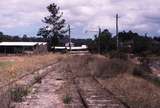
column 20, row 43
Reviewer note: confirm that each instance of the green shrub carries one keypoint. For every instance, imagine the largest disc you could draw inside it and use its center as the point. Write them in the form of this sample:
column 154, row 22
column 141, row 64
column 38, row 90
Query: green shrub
column 18, row 93
column 67, row 99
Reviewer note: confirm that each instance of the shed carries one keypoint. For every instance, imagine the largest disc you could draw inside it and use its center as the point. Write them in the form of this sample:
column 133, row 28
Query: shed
column 22, row 47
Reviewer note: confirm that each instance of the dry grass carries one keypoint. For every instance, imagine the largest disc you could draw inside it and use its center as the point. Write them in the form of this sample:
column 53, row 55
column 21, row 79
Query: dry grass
column 116, row 75
column 110, row 68
column 82, row 65
column 135, row 91
column 14, row 66
column 97, row 66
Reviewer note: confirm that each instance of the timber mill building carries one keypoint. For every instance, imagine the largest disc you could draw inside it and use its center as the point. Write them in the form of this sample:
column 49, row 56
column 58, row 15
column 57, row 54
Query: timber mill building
column 23, row 47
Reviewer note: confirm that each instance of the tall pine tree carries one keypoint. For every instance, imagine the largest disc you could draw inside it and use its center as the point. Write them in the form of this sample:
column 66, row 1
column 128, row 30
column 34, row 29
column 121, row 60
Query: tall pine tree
column 55, row 26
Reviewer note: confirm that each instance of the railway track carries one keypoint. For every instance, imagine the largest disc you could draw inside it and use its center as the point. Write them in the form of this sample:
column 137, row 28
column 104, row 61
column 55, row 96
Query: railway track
column 45, row 94
column 93, row 95
column 86, row 92
column 111, row 94
column 27, row 79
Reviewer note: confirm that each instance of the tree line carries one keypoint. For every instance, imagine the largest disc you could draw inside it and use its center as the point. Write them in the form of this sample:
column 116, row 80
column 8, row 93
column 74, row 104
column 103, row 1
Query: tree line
column 24, row 38
column 129, row 42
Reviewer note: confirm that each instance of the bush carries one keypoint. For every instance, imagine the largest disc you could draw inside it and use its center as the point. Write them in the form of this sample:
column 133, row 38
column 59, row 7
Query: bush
column 109, row 68
column 138, row 71
column 67, row 99
column 18, row 93
column 119, row 55
column 97, row 66
column 156, row 80
column 141, row 70
column 38, row 79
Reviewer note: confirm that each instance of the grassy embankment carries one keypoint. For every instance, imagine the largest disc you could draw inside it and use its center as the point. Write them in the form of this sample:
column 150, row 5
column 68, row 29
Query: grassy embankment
column 14, row 66
column 136, row 91
column 118, row 76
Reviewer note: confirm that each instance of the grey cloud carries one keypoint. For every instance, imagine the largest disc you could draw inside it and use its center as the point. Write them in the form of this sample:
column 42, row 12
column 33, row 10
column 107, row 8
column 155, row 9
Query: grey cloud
column 15, row 13
column 138, row 15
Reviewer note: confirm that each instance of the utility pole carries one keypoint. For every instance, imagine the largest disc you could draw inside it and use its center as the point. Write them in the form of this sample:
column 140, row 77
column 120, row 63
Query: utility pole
column 99, row 46
column 69, row 31
column 117, row 31
column 98, row 38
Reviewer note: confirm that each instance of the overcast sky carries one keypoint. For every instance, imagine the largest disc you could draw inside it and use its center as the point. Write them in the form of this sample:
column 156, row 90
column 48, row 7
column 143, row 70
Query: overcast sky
column 18, row 17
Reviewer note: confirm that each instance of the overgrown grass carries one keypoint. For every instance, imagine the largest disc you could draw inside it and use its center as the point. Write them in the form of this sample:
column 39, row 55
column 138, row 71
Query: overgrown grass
column 135, row 91
column 110, row 68
column 118, row 75
column 38, row 79
column 118, row 55
column 18, row 92
column 16, row 66
column 98, row 66
column 67, row 99
column 141, row 70
column 24, row 64
column 4, row 64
